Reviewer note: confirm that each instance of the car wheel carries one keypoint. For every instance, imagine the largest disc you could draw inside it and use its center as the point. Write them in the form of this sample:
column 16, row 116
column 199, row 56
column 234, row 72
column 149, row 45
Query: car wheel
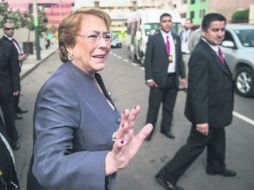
column 244, row 82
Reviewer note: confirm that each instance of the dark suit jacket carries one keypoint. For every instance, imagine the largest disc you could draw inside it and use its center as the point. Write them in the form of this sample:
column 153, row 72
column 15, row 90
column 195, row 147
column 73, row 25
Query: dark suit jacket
column 9, row 73
column 156, row 59
column 210, row 88
column 16, row 51
column 7, row 162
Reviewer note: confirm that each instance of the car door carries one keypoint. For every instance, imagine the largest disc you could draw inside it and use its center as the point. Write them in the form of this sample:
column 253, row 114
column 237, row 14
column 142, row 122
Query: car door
column 230, row 53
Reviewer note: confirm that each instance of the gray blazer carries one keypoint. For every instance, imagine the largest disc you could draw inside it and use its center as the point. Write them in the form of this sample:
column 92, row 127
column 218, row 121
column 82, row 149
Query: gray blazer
column 73, row 125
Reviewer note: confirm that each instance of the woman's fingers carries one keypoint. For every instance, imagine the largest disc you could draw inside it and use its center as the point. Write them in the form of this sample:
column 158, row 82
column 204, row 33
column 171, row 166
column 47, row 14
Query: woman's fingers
column 121, row 133
column 127, row 121
column 126, row 132
column 144, row 132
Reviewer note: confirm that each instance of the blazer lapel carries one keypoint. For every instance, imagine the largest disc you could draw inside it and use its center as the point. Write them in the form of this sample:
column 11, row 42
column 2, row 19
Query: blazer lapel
column 103, row 88
column 161, row 42
column 217, row 61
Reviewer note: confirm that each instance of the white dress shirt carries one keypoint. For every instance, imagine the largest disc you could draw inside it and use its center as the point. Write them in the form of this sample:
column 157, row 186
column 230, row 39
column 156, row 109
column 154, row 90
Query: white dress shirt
column 172, row 65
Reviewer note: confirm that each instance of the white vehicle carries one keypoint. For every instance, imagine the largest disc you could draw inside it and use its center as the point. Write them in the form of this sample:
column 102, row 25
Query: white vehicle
column 141, row 25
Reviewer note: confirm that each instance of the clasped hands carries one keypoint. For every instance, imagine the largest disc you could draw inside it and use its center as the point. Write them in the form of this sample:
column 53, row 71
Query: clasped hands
column 126, row 143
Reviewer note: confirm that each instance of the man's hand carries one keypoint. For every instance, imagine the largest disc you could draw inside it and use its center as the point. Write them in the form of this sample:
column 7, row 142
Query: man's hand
column 203, row 128
column 16, row 93
column 23, row 57
column 184, row 83
column 151, row 83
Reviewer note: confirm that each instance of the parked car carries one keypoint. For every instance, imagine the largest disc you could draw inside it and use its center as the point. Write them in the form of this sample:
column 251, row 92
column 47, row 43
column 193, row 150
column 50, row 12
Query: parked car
column 238, row 47
column 116, row 42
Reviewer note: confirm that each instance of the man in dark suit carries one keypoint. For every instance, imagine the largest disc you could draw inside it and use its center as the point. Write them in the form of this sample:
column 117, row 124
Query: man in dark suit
column 9, row 88
column 209, row 106
column 8, row 37
column 8, row 174
column 163, row 66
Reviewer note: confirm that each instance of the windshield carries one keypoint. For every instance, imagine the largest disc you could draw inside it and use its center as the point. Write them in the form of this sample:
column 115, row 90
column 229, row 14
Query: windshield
column 152, row 27
column 246, row 37
column 177, row 28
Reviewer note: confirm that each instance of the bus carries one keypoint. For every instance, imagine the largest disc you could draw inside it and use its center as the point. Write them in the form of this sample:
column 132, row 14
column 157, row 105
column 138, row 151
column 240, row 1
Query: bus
column 142, row 24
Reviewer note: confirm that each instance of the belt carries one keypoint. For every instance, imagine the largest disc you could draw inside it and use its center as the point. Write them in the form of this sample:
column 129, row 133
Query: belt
column 171, row 74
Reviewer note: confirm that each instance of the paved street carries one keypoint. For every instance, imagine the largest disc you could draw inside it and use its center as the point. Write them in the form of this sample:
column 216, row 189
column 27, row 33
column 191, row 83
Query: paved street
column 125, row 81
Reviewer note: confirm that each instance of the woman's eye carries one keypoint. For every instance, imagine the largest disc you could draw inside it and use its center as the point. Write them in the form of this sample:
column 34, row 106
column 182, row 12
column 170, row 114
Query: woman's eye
column 94, row 37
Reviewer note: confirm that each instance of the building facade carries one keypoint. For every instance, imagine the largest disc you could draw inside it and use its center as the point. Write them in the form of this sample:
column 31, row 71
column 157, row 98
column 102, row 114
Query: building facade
column 120, row 10
column 196, row 9
column 54, row 10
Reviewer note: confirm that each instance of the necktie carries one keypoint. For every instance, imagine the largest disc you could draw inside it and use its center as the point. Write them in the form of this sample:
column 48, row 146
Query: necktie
column 221, row 55
column 14, row 42
column 168, row 45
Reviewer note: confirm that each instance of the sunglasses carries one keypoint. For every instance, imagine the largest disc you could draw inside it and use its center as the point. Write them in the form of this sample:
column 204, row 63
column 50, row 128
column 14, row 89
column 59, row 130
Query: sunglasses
column 9, row 28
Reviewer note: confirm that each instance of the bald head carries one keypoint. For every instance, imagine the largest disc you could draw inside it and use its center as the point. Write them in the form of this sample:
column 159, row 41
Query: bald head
column 8, row 29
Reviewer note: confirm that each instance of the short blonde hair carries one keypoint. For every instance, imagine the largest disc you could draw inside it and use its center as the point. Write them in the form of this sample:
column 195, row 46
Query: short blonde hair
column 71, row 24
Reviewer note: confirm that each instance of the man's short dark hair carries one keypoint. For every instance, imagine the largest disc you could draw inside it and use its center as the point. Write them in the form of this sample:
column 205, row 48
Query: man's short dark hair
column 211, row 17
column 165, row 15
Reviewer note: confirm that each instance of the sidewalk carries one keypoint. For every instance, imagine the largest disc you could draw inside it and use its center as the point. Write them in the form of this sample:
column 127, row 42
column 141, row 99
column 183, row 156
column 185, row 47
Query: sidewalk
column 31, row 63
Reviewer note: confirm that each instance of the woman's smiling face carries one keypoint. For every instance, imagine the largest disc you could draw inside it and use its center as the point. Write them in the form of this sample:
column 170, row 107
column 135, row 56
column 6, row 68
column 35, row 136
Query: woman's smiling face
column 92, row 44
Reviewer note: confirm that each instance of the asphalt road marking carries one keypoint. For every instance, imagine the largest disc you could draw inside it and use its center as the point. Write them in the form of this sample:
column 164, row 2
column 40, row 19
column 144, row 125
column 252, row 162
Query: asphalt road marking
column 244, row 118
column 112, row 53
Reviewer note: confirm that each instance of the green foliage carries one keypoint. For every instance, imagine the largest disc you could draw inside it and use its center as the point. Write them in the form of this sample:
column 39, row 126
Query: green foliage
column 14, row 17
column 42, row 21
column 52, row 29
column 20, row 20
column 241, row 16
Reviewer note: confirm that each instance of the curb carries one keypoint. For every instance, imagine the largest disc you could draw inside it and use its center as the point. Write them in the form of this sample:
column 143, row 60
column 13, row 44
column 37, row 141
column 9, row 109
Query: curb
column 36, row 65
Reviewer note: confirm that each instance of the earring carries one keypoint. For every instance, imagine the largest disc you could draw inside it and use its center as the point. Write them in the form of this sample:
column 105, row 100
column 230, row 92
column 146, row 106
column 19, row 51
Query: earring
column 70, row 57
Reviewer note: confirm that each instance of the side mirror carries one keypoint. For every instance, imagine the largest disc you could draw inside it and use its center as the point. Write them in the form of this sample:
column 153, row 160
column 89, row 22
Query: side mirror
column 228, row 44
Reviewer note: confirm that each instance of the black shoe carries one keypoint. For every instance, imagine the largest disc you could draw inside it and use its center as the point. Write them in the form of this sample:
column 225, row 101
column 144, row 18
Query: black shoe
column 226, row 173
column 17, row 117
column 15, row 146
column 166, row 183
column 168, row 134
column 20, row 111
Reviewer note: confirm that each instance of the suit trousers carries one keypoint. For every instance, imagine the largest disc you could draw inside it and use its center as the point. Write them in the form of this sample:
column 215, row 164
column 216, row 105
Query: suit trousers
column 196, row 143
column 16, row 103
column 7, row 106
column 167, row 96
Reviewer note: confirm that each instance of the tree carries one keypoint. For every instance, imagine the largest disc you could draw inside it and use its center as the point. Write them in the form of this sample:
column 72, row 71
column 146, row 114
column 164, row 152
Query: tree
column 20, row 20
column 43, row 20
column 52, row 29
column 42, row 25
column 241, row 16
column 15, row 17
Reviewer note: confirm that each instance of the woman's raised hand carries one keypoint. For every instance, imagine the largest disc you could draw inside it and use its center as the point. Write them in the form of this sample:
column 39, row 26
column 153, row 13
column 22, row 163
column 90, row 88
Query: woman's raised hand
column 126, row 143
